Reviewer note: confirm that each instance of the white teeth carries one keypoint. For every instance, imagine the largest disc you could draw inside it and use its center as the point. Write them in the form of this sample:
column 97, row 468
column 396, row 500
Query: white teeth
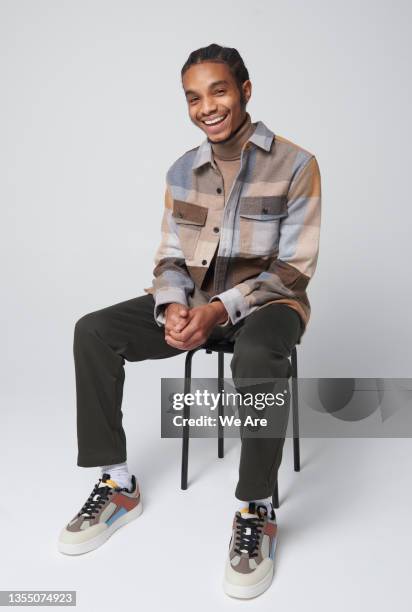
column 211, row 122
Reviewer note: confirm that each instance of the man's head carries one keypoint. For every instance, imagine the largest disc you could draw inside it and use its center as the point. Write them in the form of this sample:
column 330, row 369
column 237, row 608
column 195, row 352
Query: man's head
column 217, row 86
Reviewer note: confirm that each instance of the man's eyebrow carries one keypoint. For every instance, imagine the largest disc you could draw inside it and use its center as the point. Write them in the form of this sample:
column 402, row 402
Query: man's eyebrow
column 214, row 84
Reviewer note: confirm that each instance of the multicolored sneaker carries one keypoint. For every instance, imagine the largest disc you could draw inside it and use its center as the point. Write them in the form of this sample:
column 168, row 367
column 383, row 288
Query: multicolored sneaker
column 249, row 568
column 107, row 508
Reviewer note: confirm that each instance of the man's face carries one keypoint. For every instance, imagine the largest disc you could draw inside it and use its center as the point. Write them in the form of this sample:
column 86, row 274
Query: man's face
column 212, row 94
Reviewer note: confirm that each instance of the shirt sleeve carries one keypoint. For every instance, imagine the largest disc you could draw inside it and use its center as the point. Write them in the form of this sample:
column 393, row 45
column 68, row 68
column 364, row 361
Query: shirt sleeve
column 172, row 281
column 289, row 274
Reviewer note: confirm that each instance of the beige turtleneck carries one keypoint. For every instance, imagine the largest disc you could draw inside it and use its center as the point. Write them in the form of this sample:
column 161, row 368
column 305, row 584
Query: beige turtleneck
column 227, row 158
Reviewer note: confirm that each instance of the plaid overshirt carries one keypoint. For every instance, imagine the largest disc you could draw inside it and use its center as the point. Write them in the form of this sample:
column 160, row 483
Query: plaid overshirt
column 267, row 233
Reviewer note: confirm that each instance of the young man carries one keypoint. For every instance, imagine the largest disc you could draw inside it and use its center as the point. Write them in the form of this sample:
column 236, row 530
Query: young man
column 240, row 238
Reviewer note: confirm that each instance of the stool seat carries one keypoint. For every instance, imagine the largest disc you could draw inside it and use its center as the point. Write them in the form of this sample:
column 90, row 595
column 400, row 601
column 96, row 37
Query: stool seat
column 224, row 346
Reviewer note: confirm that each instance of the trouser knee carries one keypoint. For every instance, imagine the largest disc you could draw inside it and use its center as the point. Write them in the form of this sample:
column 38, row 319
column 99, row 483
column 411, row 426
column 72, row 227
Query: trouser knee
column 260, row 361
column 87, row 325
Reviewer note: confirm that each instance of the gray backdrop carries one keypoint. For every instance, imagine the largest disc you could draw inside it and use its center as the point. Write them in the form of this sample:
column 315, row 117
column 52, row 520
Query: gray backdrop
column 93, row 114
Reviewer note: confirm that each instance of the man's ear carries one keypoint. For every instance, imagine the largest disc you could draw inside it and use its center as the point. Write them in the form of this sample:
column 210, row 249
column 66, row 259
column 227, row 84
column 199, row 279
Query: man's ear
column 247, row 90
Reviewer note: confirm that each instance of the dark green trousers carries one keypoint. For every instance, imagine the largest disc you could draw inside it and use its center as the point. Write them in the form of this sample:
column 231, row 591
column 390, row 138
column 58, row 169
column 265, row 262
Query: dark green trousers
column 105, row 338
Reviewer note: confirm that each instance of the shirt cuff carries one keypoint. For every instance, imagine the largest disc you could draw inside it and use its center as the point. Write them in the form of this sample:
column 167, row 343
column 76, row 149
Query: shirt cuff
column 234, row 303
column 164, row 297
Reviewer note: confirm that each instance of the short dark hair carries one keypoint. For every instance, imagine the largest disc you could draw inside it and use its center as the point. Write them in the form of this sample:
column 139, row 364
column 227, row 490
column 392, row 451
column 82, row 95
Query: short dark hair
column 226, row 55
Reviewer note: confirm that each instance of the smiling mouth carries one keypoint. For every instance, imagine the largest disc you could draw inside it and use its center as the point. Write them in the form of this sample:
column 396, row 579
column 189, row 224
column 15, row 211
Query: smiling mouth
column 216, row 121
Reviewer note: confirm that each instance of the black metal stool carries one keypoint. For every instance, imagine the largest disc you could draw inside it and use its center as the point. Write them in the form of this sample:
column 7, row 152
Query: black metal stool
column 222, row 347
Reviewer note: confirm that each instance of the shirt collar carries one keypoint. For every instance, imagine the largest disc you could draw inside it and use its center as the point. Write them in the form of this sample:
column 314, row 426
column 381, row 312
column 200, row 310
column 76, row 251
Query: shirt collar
column 262, row 137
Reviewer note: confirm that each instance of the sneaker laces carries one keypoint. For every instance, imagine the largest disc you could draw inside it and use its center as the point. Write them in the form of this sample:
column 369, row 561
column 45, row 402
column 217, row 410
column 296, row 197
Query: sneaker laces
column 99, row 496
column 249, row 530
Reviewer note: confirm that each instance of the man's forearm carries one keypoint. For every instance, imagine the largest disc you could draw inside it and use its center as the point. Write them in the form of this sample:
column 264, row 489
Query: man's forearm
column 220, row 310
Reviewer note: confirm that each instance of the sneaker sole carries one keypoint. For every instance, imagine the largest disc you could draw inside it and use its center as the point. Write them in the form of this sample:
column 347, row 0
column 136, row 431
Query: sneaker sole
column 84, row 547
column 247, row 592
column 250, row 591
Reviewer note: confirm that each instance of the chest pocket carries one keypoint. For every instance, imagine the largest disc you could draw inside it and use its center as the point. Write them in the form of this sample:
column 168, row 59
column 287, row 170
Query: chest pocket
column 259, row 223
column 189, row 218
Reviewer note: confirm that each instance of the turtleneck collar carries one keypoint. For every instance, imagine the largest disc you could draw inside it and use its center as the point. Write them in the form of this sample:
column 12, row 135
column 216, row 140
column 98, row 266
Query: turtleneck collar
column 230, row 149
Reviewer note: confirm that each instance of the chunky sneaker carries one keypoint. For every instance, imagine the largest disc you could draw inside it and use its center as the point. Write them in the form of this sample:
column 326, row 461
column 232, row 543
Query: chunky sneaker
column 108, row 507
column 249, row 568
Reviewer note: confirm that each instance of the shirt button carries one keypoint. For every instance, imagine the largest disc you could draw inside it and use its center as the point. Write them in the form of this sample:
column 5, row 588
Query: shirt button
column 204, row 262
column 216, row 229
column 238, row 313
column 219, row 190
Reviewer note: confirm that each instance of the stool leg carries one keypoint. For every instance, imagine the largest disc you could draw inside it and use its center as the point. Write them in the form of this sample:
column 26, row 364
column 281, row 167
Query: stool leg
column 295, row 412
column 186, row 415
column 220, row 382
column 275, row 496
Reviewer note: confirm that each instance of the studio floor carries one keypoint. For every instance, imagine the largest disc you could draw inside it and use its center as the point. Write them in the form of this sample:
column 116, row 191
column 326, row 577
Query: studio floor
column 344, row 522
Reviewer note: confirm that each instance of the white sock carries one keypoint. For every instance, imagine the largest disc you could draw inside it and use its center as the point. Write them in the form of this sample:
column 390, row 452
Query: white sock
column 267, row 501
column 119, row 472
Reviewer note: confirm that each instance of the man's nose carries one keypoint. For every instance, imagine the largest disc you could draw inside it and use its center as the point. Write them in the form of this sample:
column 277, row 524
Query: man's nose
column 208, row 107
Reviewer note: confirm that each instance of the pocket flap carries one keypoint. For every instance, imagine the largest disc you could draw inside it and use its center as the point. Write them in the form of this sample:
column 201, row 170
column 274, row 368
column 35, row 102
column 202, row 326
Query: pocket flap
column 263, row 207
column 186, row 212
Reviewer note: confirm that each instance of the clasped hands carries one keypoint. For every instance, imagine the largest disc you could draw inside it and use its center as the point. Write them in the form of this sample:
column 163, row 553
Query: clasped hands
column 186, row 328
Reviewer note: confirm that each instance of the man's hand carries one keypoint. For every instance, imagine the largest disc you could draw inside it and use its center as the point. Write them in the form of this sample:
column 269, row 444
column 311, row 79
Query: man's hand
column 200, row 322
column 176, row 316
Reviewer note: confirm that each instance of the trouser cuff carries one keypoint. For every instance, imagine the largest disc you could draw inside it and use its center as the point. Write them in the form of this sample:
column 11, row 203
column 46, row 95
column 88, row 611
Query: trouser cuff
column 99, row 460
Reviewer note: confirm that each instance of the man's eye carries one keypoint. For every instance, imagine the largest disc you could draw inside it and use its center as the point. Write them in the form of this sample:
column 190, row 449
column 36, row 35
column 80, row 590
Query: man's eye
column 220, row 91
